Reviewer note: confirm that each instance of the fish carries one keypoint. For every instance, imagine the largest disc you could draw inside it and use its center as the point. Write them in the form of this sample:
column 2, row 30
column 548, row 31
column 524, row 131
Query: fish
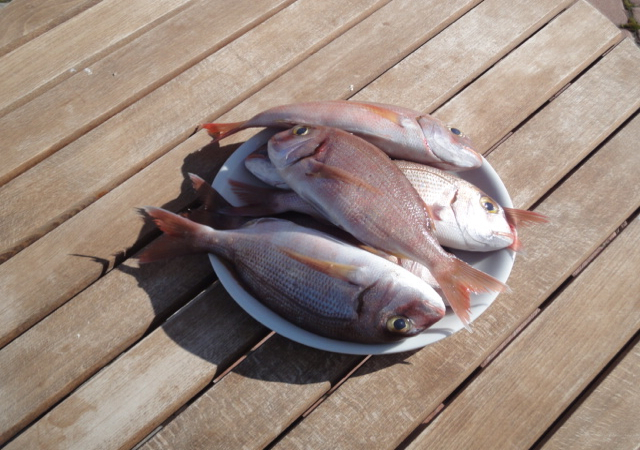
column 466, row 218
column 317, row 282
column 259, row 164
column 358, row 188
column 400, row 132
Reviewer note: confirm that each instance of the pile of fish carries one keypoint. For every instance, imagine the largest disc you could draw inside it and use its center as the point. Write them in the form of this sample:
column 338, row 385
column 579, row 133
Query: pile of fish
column 366, row 262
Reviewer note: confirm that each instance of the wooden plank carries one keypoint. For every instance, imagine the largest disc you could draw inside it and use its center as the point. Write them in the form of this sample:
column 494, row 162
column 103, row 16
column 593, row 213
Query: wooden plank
column 141, row 386
column 73, row 45
column 55, row 268
column 59, row 353
column 78, row 174
column 519, row 395
column 596, row 104
column 354, row 59
column 122, row 77
column 530, row 75
column 274, row 385
column 607, row 418
column 430, row 375
column 22, row 20
column 451, row 60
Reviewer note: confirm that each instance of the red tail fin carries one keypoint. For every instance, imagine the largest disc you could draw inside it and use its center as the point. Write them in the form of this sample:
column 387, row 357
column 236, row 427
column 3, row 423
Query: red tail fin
column 180, row 238
column 459, row 281
column 222, row 130
column 522, row 217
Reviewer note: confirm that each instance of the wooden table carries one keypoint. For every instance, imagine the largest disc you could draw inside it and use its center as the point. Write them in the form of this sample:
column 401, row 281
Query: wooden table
column 99, row 103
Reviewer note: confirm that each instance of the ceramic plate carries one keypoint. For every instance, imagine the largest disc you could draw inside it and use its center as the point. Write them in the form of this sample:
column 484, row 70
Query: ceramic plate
column 496, row 263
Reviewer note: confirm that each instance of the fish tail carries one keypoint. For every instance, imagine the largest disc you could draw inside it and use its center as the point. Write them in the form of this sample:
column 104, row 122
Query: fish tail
column 182, row 236
column 460, row 281
column 523, row 217
column 220, row 131
column 251, row 194
column 210, row 198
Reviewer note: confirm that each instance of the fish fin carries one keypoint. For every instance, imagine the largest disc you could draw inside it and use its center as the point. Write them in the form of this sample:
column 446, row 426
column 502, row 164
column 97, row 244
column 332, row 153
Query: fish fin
column 523, row 217
column 459, row 281
column 321, row 170
column 210, row 198
column 344, row 272
column 251, row 194
column 178, row 240
column 434, row 214
column 385, row 113
column 219, row 131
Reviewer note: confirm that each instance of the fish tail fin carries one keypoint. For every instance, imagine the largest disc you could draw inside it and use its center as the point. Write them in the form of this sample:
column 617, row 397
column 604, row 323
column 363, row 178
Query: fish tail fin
column 523, row 217
column 251, row 194
column 182, row 236
column 210, row 198
column 220, row 131
column 460, row 281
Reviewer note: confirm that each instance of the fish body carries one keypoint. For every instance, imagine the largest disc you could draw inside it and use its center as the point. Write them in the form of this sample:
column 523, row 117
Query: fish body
column 315, row 281
column 400, row 132
column 359, row 189
column 466, row 218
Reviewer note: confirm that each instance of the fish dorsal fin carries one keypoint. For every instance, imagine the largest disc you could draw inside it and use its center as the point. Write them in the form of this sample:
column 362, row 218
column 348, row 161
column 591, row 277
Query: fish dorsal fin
column 321, row 170
column 344, row 272
column 383, row 112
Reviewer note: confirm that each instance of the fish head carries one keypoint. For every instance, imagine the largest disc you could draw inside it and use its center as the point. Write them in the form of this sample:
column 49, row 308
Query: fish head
column 395, row 309
column 481, row 222
column 452, row 147
column 290, row 146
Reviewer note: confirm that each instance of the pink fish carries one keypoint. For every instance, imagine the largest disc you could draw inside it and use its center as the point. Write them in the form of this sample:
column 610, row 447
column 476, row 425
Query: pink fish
column 399, row 132
column 314, row 280
column 357, row 187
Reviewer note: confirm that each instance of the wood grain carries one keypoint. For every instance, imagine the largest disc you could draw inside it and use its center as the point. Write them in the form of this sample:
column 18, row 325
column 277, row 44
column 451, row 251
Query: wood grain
column 73, row 45
column 538, row 375
column 354, row 59
column 149, row 382
column 71, row 344
column 596, row 104
column 22, row 20
column 454, row 58
column 430, row 375
column 55, row 268
column 530, row 75
column 75, row 176
column 276, row 383
column 122, row 77
column 607, row 417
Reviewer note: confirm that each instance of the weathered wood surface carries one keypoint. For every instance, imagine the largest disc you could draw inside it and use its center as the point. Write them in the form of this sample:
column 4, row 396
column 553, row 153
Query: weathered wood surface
column 100, row 352
column 607, row 415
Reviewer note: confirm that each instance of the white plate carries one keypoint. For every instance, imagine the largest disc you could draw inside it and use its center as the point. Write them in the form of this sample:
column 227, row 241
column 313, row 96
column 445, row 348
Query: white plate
column 496, row 263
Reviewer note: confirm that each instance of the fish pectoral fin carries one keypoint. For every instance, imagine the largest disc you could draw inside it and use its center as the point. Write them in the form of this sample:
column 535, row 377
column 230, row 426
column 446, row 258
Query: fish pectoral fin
column 321, row 170
column 344, row 272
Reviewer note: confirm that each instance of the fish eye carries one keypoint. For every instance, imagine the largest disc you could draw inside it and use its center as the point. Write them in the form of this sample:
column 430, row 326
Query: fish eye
column 456, row 131
column 399, row 324
column 300, row 130
column 489, row 205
